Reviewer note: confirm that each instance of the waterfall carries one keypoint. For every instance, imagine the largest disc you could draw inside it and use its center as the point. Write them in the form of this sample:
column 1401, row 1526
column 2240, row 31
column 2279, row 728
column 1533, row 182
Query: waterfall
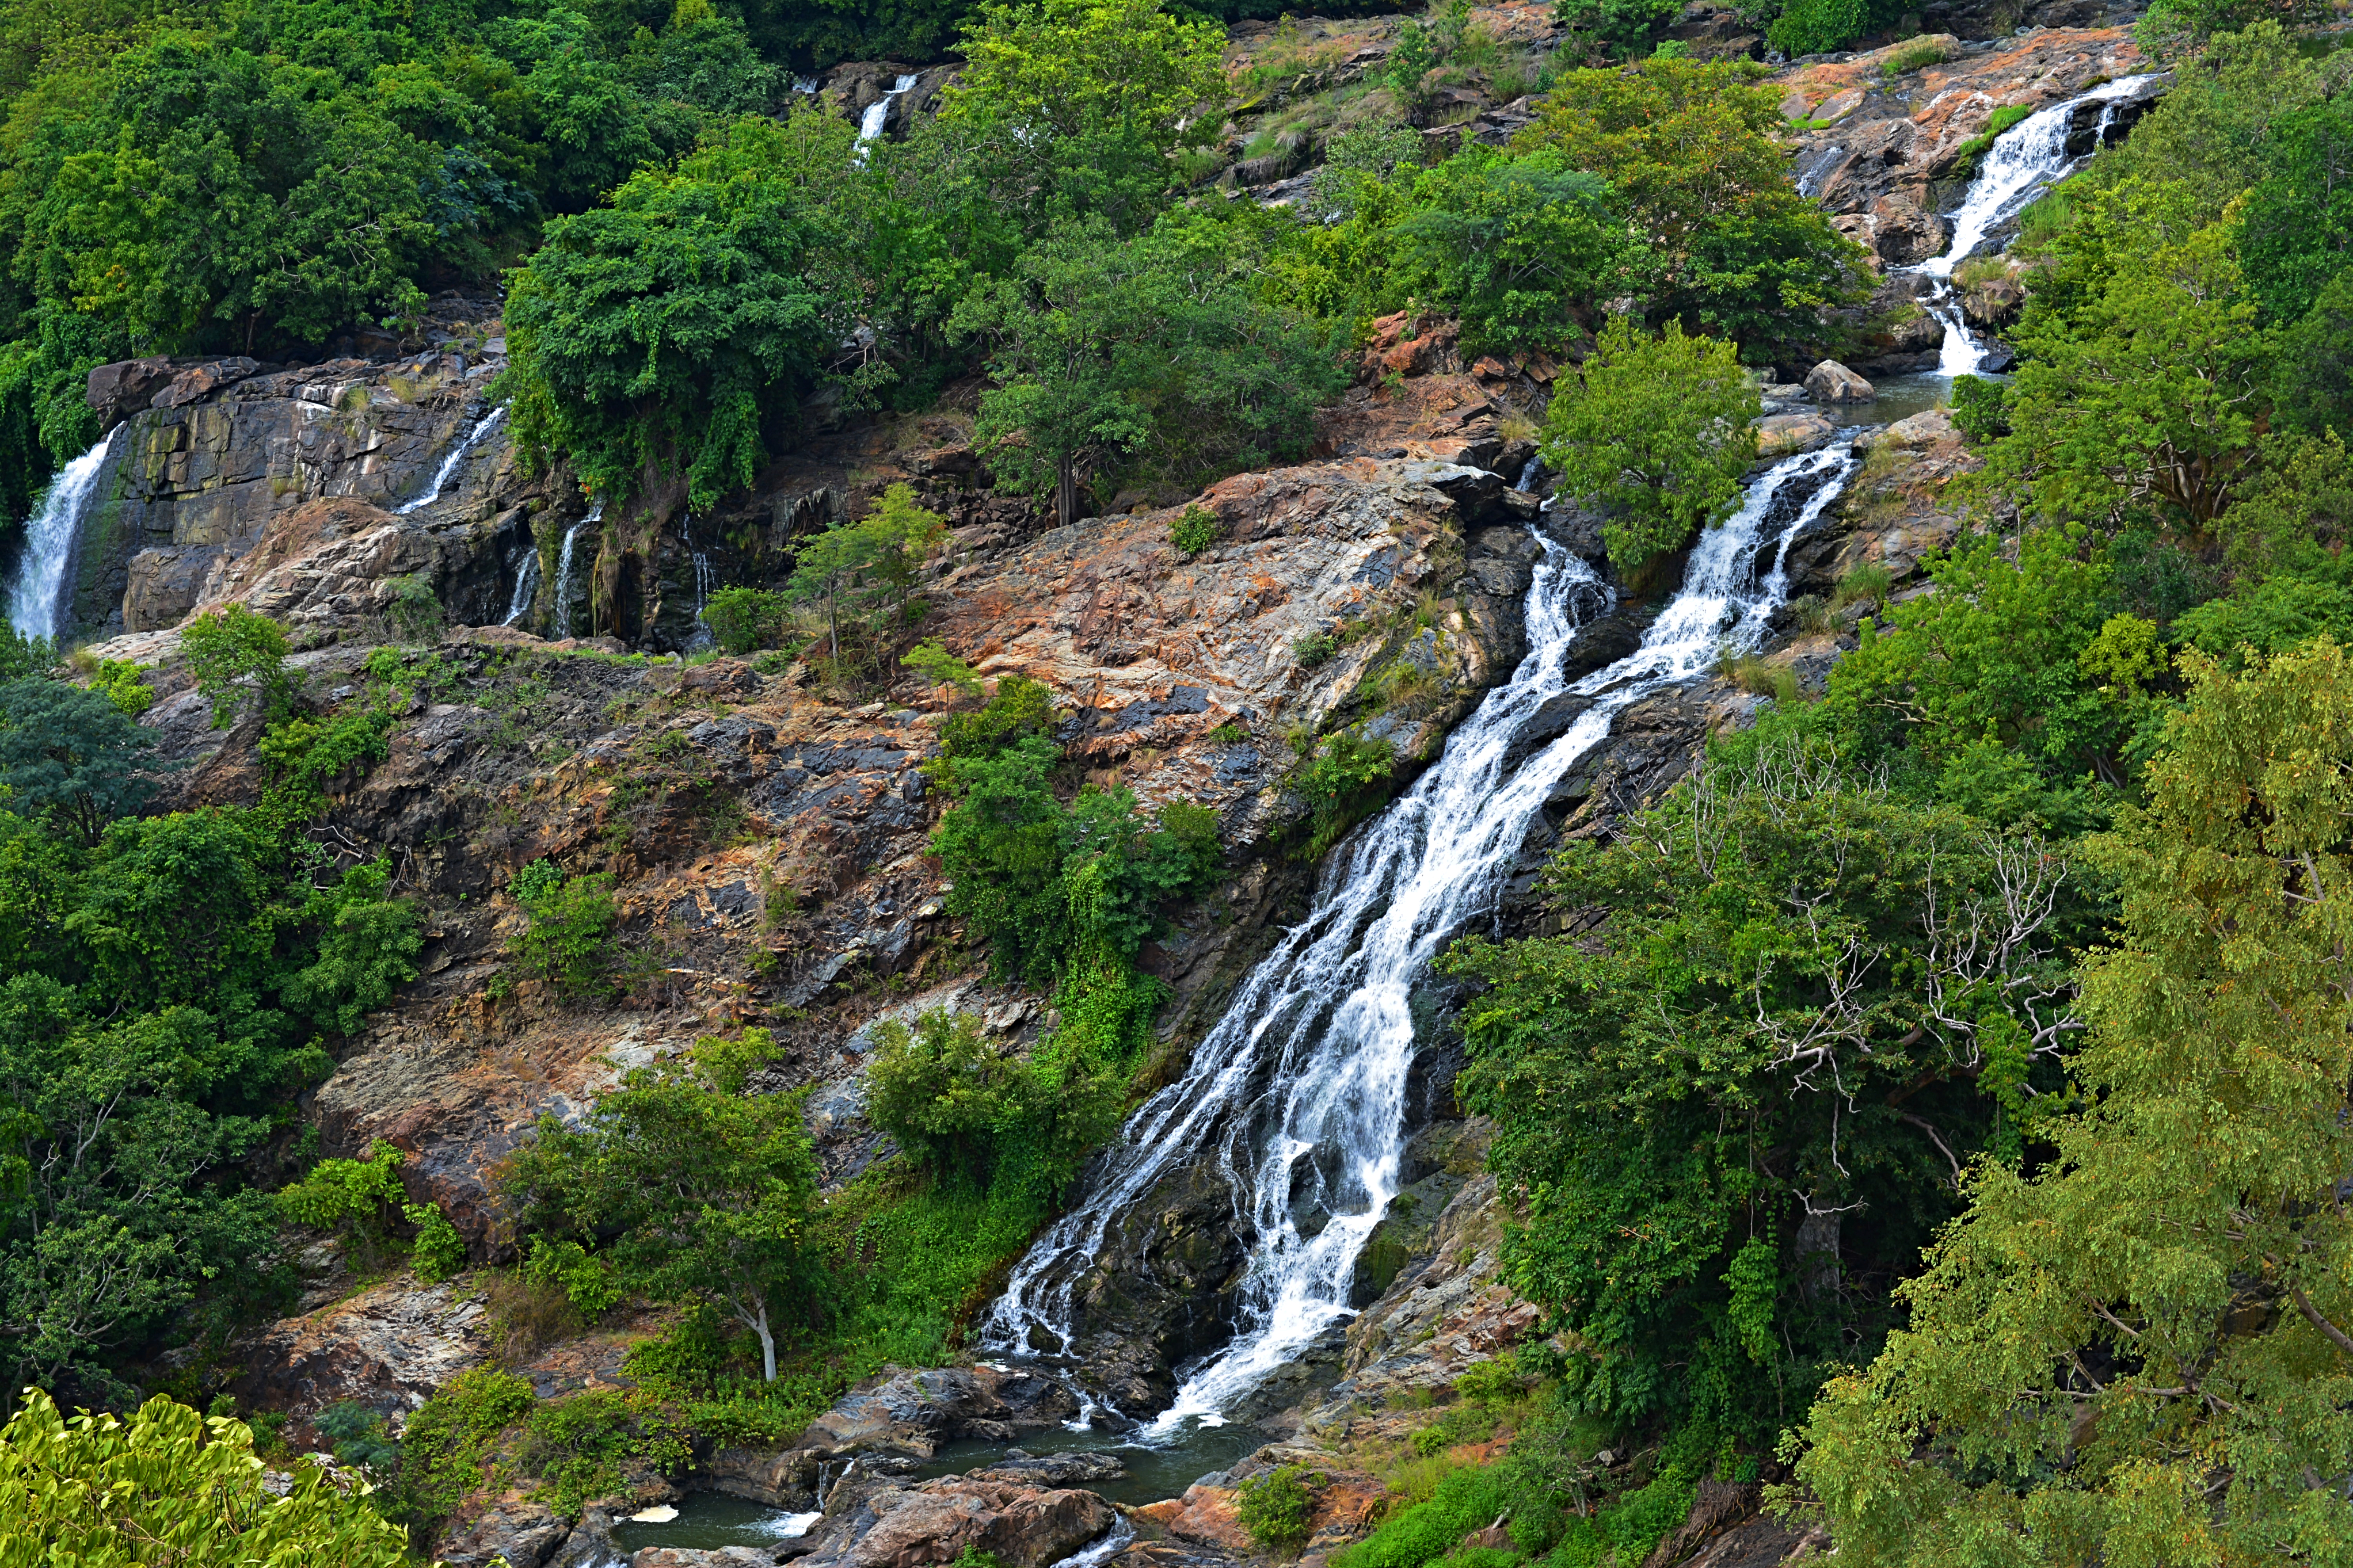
column 878, row 115
column 562, row 625
column 704, row 578
column 1299, row 1090
column 450, row 464
column 2024, row 161
column 526, row 586
column 1527, row 479
column 37, row 599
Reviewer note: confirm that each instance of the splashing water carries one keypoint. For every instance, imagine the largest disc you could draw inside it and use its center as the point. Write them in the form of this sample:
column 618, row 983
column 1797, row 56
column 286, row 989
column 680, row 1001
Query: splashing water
column 2024, row 161
column 704, row 576
column 37, row 599
column 562, row 624
column 1298, row 1094
column 450, row 464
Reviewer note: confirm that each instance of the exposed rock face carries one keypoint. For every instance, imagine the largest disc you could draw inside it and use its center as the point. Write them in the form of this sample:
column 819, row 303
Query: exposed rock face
column 217, row 453
column 388, row 1347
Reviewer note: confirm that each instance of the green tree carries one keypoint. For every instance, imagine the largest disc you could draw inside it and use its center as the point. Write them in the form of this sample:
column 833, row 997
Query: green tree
column 705, row 1195
column 874, row 562
column 1813, row 998
column 2143, row 390
column 1104, row 349
column 2137, row 1349
column 1657, row 431
column 232, row 652
column 1694, row 152
column 659, row 334
column 71, row 755
column 111, row 1491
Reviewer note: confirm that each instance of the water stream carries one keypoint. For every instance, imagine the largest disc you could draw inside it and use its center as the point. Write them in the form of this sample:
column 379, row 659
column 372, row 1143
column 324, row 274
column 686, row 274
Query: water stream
column 1298, row 1092
column 526, row 587
column 37, row 595
column 2025, row 160
column 878, row 115
column 450, row 464
column 560, row 626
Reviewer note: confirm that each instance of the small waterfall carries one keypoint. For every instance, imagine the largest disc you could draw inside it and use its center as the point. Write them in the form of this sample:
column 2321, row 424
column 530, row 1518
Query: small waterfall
column 1528, row 475
column 804, row 84
column 1299, row 1090
column 562, row 625
column 37, row 599
column 2024, row 161
column 878, row 115
column 526, row 586
column 450, row 464
column 704, row 576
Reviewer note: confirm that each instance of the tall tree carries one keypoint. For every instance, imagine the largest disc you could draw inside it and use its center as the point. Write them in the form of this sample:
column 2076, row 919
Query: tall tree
column 2139, row 1351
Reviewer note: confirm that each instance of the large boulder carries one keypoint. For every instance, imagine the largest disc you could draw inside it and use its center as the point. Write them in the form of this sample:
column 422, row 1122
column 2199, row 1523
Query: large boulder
column 1830, row 382
column 887, row 1524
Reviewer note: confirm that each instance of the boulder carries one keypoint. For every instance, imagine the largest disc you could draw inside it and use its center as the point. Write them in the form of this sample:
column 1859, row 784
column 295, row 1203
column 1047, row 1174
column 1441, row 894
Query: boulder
column 1779, row 435
column 1830, row 382
column 1205, row 1514
column 1902, row 232
column 1923, row 429
column 388, row 1347
column 784, row 1479
column 890, row 1525
column 121, row 389
column 915, row 1412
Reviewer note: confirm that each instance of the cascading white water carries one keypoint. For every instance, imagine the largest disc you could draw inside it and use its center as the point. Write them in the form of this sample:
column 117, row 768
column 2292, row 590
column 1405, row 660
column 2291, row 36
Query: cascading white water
column 878, row 115
column 450, row 464
column 562, row 624
column 2024, row 161
column 704, row 576
column 526, row 588
column 37, row 597
column 1299, row 1090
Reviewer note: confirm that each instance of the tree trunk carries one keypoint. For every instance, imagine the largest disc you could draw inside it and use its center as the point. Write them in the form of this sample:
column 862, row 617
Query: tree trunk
column 767, row 1343
column 1066, row 492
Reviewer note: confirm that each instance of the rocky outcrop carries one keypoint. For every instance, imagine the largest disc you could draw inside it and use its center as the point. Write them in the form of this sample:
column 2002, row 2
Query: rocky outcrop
column 913, row 1412
column 389, row 1348
column 213, row 456
column 889, row 1524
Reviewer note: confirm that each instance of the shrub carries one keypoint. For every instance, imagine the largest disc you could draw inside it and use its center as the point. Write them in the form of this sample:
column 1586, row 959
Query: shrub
column 586, row 1280
column 1869, row 580
column 1315, row 650
column 440, row 1249
column 1817, row 26
column 414, row 609
column 744, row 619
column 21, row 656
column 1022, row 708
column 1343, row 781
column 1277, row 1508
column 445, row 1441
column 1195, row 531
column 231, row 651
column 168, row 1484
column 119, row 679
column 1980, row 408
column 936, row 665
column 71, row 756
column 1465, row 1500
column 581, row 1446
column 1912, row 57
column 1759, row 677
column 354, row 1198
column 569, row 939
column 356, row 1435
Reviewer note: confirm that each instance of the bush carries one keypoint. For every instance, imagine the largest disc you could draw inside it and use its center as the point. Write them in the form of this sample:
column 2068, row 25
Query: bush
column 1817, row 27
column 119, row 679
column 445, row 1441
column 414, row 609
column 1195, row 531
column 581, row 1445
column 231, row 651
column 1912, row 55
column 1277, row 1508
column 21, row 656
column 440, row 1249
column 1866, row 581
column 1021, row 709
column 103, row 1490
column 569, row 939
column 354, row 1198
column 743, row 620
column 936, row 665
column 1315, row 650
column 1345, row 780
column 1980, row 408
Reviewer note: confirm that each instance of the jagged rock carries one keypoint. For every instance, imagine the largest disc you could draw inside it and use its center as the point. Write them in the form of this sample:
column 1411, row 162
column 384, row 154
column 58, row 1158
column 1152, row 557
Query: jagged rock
column 1205, row 1514
column 388, row 1347
column 709, row 1557
column 121, row 389
column 1830, row 382
column 779, row 1477
column 1903, row 233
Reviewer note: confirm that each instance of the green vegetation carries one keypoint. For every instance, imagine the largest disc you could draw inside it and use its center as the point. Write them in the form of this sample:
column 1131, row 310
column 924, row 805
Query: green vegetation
column 567, row 937
column 868, row 567
column 1658, row 431
column 234, row 653
column 116, row 1488
column 1277, row 1508
column 1195, row 531
column 70, row 757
